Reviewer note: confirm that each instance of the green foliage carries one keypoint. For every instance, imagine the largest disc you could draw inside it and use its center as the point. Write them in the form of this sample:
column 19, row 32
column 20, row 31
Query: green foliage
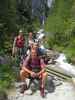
column 14, row 15
column 7, row 21
column 61, row 23
column 58, row 19
column 7, row 76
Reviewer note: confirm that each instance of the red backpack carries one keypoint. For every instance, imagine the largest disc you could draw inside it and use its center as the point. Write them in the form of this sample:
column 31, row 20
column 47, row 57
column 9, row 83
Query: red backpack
column 20, row 41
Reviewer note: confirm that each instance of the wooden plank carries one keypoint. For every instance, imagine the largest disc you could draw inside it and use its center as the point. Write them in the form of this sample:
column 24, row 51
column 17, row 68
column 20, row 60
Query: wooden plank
column 58, row 72
column 61, row 76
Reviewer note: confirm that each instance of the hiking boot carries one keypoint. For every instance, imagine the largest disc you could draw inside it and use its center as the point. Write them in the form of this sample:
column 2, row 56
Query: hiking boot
column 42, row 92
column 23, row 88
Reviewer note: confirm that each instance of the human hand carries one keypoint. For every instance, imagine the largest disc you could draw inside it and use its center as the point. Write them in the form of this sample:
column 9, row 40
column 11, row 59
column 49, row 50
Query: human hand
column 37, row 74
column 33, row 74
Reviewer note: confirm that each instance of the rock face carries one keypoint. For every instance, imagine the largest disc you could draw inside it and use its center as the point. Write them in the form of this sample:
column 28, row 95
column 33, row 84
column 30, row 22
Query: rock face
column 3, row 95
column 51, row 56
column 4, row 59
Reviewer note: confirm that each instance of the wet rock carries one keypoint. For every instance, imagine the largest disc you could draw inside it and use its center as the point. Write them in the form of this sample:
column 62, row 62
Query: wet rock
column 5, row 59
column 52, row 54
column 73, row 60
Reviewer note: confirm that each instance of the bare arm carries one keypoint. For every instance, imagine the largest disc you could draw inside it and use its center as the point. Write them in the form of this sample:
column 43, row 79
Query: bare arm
column 42, row 64
column 27, row 70
column 25, row 65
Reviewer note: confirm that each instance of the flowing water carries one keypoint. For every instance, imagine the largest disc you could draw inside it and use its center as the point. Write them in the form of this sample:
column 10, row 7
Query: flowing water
column 63, row 65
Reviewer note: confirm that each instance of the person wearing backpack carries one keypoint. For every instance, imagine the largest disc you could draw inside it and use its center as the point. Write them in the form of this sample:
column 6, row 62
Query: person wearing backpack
column 33, row 66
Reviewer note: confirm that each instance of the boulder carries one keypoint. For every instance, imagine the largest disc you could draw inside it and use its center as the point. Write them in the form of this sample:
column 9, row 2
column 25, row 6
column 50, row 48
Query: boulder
column 4, row 59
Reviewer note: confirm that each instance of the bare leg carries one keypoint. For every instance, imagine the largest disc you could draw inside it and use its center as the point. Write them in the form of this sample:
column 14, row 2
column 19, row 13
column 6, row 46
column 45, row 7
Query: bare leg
column 44, row 75
column 23, row 76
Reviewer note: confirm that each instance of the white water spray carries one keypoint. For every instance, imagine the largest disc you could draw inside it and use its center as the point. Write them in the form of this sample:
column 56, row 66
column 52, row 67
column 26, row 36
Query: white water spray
column 61, row 63
column 49, row 3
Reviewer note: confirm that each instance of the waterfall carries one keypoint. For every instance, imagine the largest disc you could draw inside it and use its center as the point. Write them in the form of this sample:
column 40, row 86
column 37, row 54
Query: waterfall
column 49, row 3
column 39, row 9
column 64, row 65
